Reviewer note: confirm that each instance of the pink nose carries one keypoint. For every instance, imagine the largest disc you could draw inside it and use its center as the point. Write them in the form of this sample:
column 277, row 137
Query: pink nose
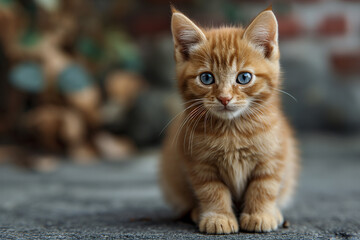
column 224, row 100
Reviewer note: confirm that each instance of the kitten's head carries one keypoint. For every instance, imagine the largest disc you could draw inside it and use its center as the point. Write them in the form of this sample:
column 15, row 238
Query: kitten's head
column 230, row 71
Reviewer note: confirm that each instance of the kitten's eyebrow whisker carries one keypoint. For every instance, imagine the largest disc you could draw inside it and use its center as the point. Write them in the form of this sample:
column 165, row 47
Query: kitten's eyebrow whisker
column 282, row 91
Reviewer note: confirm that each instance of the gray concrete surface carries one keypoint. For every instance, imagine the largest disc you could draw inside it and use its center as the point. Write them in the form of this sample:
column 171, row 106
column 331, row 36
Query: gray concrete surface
column 122, row 200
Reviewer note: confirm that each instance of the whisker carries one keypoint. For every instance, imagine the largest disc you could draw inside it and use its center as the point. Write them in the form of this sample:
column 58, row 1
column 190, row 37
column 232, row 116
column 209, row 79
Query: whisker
column 282, row 91
column 193, row 100
column 205, row 120
column 259, row 104
column 191, row 123
column 255, row 113
column 185, row 121
column 194, row 104
column 192, row 134
column 181, row 124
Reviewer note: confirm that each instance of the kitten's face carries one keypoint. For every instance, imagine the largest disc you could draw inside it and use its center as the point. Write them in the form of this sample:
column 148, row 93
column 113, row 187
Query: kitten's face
column 229, row 71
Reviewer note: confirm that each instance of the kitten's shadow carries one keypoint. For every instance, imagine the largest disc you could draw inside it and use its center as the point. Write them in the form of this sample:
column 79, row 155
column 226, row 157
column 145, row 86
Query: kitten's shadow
column 131, row 220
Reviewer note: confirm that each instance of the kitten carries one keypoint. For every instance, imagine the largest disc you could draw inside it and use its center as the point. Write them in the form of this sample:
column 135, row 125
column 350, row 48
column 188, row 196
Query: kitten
column 232, row 149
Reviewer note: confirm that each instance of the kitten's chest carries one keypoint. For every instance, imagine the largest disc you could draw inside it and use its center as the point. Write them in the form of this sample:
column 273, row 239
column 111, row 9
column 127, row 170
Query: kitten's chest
column 235, row 169
column 235, row 159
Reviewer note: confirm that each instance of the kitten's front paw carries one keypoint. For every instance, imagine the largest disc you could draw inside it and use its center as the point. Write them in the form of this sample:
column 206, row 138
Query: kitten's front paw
column 261, row 222
column 214, row 223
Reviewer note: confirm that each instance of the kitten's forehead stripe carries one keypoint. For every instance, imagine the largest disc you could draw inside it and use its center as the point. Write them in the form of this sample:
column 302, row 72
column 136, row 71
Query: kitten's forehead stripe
column 224, row 45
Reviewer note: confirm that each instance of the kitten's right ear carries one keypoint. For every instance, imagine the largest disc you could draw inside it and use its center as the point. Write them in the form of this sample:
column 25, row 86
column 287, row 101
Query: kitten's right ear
column 185, row 33
column 263, row 33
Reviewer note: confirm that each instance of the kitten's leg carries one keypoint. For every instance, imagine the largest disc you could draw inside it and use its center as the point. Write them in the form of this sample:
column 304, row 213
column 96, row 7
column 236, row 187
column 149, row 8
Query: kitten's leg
column 260, row 213
column 195, row 215
column 215, row 203
column 175, row 188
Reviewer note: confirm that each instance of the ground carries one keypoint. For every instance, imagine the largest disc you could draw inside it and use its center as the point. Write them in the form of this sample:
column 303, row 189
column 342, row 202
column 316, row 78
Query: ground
column 123, row 201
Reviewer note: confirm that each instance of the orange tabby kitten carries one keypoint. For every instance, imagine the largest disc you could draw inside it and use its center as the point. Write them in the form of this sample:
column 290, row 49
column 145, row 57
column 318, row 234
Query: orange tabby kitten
column 232, row 149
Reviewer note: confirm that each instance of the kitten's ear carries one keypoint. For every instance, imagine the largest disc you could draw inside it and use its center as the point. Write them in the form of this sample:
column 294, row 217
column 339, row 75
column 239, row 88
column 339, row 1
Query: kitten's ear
column 185, row 33
column 263, row 33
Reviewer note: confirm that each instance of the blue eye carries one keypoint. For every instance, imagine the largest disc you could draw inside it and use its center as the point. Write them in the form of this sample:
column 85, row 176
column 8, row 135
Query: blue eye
column 244, row 78
column 207, row 78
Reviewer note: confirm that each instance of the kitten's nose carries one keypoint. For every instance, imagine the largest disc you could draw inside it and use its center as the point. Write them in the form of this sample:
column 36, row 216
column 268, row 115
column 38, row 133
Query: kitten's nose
column 224, row 100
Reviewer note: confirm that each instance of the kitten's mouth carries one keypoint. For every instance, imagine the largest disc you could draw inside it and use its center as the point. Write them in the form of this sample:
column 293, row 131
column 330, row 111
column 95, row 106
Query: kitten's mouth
column 226, row 109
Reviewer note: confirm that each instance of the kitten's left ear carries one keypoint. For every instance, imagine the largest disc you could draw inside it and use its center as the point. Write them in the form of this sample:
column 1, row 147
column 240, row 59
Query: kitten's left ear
column 263, row 33
column 186, row 34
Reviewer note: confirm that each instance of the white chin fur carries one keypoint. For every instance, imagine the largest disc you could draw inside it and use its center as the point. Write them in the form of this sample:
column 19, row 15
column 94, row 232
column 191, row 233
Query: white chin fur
column 228, row 115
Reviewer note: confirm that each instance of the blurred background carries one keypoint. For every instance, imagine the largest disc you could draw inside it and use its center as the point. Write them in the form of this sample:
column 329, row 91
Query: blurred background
column 83, row 80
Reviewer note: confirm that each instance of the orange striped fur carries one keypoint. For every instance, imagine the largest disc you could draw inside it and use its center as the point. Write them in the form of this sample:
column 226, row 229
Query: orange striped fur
column 236, row 166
